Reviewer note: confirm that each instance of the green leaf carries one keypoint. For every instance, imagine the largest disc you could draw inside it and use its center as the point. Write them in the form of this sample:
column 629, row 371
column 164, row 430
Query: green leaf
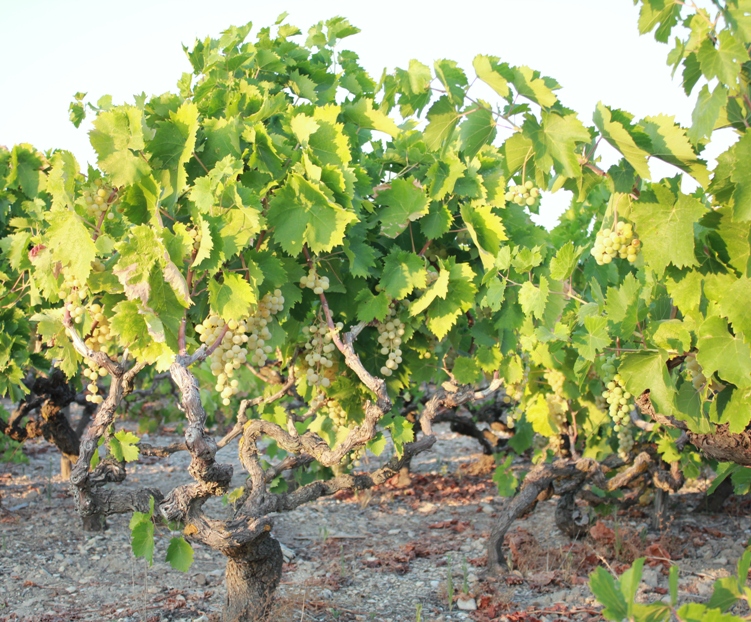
column 466, row 370
column 666, row 230
column 117, row 137
column 172, row 147
column 438, row 289
column 371, row 307
column 401, row 432
column 741, row 177
column 505, row 479
column 643, row 371
column 403, row 202
column 70, row 243
column 489, row 70
column 725, row 594
column 558, row 137
column 734, row 305
column 142, row 537
column 724, row 61
column 592, row 338
column 460, row 297
column 530, row 85
column 486, row 230
column 139, row 253
column 534, row 299
column 494, row 295
column 670, row 144
column 232, row 299
column 706, row 112
column 179, row 554
column 629, row 583
column 124, row 446
column 437, row 221
column 563, row 264
column 300, row 213
column 662, row 14
column 673, row 584
column 619, row 137
column 607, row 592
column 402, row 273
column 477, row 130
column 442, row 119
column 539, row 415
column 622, row 306
column 721, row 352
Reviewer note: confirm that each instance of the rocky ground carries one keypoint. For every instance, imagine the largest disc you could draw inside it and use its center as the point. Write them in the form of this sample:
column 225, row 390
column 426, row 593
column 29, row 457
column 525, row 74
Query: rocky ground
column 391, row 554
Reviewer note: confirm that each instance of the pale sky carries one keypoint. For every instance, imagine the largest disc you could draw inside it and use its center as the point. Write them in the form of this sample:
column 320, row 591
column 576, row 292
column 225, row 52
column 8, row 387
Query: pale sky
column 53, row 48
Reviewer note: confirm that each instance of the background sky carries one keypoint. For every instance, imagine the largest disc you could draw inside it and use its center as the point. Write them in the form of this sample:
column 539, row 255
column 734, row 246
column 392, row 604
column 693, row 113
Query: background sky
column 53, row 48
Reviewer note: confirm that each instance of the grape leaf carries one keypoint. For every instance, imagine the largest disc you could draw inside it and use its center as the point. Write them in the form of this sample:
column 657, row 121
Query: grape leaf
column 403, row 202
column 302, row 214
column 666, row 230
column 402, row 273
column 643, row 371
column 70, row 243
column 117, row 137
column 179, row 554
column 533, row 299
column 477, row 130
column 486, row 230
column 721, row 352
column 233, row 298
column 466, row 370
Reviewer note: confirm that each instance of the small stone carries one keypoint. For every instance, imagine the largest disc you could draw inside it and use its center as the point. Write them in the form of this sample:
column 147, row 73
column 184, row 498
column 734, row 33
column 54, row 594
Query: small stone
column 466, row 604
column 200, row 579
column 487, row 508
column 70, row 590
column 393, row 532
column 649, row 576
column 472, row 578
column 722, row 561
column 202, row 618
column 434, row 584
column 326, row 593
column 59, row 557
column 288, row 553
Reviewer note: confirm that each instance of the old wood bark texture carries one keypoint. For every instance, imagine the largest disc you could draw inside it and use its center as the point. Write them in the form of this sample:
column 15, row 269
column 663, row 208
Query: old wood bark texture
column 565, row 478
column 722, row 445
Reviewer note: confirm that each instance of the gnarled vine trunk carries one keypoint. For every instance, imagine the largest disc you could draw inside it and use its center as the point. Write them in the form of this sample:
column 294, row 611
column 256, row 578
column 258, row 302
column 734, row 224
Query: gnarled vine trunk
column 253, row 574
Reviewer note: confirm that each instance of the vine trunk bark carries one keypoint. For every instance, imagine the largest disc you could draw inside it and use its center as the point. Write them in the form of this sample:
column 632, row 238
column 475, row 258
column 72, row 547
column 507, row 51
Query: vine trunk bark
column 253, row 574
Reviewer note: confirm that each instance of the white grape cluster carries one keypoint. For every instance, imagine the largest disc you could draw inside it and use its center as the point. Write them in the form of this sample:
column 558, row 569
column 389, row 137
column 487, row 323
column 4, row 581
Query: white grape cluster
column 318, row 284
column 558, row 408
column 73, row 292
column 99, row 341
column 696, row 375
column 318, row 353
column 390, row 333
column 523, row 194
column 97, row 198
column 619, row 242
column 195, row 236
column 243, row 341
column 556, row 380
column 619, row 409
column 337, row 414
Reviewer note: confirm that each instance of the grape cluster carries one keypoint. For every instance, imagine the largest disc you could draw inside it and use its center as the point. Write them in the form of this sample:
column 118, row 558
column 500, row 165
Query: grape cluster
column 390, row 333
column 318, row 351
column 697, row 377
column 337, row 414
column 99, row 341
column 73, row 292
column 619, row 242
column 524, row 194
column 195, row 236
column 555, row 379
column 244, row 340
column 97, row 199
column 318, row 284
column 620, row 412
column 558, row 407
